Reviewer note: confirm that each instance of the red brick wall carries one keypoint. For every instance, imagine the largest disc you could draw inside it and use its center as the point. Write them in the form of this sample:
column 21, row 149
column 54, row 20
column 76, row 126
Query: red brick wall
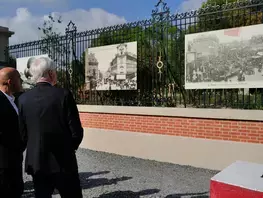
column 240, row 131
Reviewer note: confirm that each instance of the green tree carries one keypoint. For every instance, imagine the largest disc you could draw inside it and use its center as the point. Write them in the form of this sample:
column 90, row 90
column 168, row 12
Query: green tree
column 52, row 45
column 216, row 15
column 220, row 15
column 154, row 39
column 144, row 59
column 55, row 46
column 52, row 38
column 78, row 76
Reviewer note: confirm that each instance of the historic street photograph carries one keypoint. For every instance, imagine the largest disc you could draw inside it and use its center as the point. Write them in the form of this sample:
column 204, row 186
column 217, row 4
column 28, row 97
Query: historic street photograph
column 229, row 58
column 23, row 65
column 112, row 67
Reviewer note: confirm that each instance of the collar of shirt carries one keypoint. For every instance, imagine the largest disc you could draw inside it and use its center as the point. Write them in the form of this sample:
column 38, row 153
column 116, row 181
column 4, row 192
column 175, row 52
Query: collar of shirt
column 42, row 81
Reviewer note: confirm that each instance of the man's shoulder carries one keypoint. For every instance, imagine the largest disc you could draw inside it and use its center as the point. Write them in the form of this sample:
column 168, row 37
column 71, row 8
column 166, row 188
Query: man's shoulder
column 56, row 90
column 62, row 91
column 22, row 96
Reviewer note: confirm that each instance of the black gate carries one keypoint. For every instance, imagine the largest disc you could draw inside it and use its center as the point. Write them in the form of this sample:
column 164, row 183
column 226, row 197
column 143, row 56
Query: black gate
column 160, row 57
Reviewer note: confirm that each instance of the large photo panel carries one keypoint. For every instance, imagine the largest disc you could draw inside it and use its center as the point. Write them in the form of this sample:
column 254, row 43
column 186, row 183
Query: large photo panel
column 111, row 67
column 225, row 59
column 21, row 65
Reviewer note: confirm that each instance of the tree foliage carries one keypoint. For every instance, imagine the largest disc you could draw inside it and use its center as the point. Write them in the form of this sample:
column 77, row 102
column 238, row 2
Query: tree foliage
column 223, row 19
column 223, row 16
column 154, row 39
column 55, row 46
column 52, row 44
column 157, row 39
column 52, row 37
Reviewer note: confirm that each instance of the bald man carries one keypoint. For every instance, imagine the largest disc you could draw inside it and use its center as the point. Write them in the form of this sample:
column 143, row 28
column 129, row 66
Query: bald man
column 11, row 155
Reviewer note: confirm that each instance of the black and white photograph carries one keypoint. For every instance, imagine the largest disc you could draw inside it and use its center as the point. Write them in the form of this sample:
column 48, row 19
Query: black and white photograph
column 22, row 66
column 225, row 59
column 111, row 67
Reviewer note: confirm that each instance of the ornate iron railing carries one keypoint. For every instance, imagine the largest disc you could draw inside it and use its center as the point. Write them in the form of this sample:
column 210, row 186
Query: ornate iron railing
column 161, row 38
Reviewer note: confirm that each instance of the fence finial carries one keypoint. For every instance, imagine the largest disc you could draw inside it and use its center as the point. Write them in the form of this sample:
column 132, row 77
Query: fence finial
column 71, row 27
column 159, row 2
column 161, row 10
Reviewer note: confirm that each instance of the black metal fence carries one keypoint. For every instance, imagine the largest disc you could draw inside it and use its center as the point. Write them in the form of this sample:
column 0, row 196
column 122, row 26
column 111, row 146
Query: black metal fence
column 161, row 37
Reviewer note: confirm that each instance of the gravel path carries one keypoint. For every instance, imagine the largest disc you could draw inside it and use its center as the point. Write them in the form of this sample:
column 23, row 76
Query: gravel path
column 106, row 175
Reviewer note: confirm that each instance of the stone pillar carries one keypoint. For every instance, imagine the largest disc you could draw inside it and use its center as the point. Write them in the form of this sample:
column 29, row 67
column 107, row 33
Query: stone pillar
column 5, row 34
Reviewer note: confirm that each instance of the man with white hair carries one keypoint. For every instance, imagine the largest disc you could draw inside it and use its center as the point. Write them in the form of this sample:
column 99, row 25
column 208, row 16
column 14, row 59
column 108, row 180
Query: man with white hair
column 51, row 131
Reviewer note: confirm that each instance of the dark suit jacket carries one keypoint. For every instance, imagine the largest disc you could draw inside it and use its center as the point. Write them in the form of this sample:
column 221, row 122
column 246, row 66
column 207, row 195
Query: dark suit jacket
column 50, row 128
column 11, row 154
column 17, row 95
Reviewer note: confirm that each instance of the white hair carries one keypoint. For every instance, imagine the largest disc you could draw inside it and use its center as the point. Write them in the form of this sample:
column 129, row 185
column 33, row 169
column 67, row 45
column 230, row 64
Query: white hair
column 39, row 68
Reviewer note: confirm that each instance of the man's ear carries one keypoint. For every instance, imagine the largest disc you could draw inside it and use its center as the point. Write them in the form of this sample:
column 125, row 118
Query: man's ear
column 50, row 74
column 8, row 82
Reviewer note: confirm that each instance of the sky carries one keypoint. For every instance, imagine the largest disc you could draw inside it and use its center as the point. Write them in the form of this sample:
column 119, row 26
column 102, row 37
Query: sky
column 25, row 16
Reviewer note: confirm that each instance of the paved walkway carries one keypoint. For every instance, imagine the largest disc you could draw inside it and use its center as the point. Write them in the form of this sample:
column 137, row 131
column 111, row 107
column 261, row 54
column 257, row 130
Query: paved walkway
column 111, row 176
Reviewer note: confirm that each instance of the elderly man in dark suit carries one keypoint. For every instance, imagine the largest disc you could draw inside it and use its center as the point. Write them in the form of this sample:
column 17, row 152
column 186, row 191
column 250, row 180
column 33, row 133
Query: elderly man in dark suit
column 11, row 154
column 51, row 130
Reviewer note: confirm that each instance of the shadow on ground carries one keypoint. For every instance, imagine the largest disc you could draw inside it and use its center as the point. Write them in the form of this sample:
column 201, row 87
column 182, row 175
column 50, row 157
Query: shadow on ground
column 193, row 195
column 129, row 194
column 86, row 182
